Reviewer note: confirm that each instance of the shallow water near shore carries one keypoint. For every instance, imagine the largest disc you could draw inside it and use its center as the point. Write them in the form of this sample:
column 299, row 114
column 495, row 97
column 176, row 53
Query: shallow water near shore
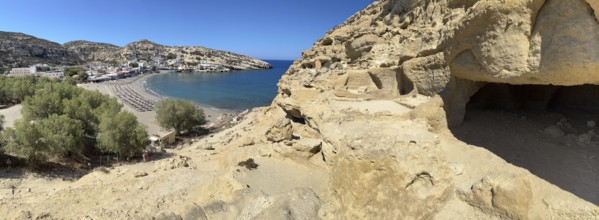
column 238, row 90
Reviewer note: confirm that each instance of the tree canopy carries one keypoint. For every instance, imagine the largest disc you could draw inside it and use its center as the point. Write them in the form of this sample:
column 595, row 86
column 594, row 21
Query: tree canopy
column 75, row 71
column 122, row 134
column 171, row 56
column 61, row 119
column 179, row 115
column 134, row 65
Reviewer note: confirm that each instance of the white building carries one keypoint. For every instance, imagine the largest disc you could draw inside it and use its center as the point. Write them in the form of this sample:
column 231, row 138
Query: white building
column 53, row 74
column 22, row 72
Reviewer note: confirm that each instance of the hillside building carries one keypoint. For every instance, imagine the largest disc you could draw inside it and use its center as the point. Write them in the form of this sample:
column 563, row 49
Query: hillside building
column 22, row 72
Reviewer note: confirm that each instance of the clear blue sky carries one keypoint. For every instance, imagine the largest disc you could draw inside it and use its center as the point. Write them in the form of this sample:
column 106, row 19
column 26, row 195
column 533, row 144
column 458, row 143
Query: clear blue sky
column 266, row 29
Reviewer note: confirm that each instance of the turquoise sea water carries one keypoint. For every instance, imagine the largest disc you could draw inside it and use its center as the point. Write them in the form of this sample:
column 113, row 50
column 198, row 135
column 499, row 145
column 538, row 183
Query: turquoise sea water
column 236, row 91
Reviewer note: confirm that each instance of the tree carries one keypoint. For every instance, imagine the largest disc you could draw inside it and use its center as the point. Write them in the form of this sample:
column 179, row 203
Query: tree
column 1, row 122
column 134, row 65
column 76, row 71
column 39, row 140
column 122, row 134
column 62, row 135
column 179, row 115
column 171, row 56
column 24, row 141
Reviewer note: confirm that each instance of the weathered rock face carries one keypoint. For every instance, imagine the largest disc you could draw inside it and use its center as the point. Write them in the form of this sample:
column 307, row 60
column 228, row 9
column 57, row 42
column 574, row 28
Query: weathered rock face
column 18, row 49
column 381, row 90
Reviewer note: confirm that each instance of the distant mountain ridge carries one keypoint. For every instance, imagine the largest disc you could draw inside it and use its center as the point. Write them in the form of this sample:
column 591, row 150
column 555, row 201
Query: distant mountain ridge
column 18, row 49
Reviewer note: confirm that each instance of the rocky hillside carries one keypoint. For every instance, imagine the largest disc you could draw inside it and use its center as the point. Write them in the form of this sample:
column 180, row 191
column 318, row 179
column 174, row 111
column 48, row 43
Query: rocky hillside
column 145, row 50
column 17, row 49
column 92, row 51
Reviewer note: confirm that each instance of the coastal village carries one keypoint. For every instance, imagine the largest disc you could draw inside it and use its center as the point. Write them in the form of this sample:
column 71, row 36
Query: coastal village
column 100, row 72
column 122, row 74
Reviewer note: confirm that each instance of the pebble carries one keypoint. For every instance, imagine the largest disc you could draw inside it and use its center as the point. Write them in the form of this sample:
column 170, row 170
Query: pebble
column 591, row 124
column 584, row 138
column 554, row 131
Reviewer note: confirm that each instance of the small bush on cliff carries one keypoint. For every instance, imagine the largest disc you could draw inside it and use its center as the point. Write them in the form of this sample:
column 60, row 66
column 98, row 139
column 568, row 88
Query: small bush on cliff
column 179, row 115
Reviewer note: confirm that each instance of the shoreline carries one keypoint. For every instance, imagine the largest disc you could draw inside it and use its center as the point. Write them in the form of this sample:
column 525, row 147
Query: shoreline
column 150, row 92
column 148, row 118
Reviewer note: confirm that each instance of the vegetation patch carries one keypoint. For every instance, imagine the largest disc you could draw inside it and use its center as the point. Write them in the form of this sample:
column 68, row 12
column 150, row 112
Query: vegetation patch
column 61, row 120
column 248, row 164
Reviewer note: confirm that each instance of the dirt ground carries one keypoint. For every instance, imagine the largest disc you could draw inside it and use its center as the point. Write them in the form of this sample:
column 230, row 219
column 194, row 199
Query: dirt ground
column 568, row 160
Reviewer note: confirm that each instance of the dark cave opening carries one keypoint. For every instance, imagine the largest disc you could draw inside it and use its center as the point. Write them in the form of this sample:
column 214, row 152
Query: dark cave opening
column 549, row 130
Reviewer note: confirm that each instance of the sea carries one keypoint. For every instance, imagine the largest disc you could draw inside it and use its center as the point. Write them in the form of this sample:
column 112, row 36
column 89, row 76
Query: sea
column 235, row 91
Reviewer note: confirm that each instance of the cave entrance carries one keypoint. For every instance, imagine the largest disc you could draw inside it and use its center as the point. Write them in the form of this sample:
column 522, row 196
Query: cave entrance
column 552, row 131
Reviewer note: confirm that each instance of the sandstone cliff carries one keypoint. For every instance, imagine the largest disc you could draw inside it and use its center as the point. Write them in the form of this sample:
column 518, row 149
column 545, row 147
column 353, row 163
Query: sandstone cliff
column 377, row 96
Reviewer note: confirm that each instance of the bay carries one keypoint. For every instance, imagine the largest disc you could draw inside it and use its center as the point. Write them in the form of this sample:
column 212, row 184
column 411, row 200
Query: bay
column 237, row 91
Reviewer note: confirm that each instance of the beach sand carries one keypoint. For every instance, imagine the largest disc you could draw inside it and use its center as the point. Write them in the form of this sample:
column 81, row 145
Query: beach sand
column 147, row 118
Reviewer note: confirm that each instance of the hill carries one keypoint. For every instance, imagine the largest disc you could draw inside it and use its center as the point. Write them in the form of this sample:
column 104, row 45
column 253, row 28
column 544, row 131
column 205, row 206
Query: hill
column 20, row 50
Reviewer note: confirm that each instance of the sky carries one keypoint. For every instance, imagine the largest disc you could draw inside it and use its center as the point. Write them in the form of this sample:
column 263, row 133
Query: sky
column 265, row 29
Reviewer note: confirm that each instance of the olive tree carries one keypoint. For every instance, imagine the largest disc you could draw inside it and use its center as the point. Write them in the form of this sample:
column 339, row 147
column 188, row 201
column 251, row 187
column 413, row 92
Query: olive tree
column 179, row 115
column 41, row 139
column 121, row 134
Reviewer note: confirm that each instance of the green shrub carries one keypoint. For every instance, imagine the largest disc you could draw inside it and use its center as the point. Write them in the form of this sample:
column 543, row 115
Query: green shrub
column 179, row 115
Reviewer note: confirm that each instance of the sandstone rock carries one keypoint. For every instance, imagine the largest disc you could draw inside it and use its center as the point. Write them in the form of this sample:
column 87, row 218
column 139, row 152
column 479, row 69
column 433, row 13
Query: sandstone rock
column 172, row 163
column 509, row 195
column 140, row 174
column 296, row 204
column 361, row 46
column 554, row 131
column 591, row 124
column 446, row 51
column 194, row 212
column 280, row 131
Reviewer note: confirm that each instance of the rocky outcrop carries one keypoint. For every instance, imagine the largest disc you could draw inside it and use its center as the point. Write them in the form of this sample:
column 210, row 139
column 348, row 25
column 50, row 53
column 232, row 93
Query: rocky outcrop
column 381, row 91
column 17, row 49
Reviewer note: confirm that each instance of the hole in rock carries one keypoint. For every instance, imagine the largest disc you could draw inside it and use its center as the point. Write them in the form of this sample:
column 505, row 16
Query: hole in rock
column 405, row 85
column 295, row 119
column 327, row 41
column 550, row 130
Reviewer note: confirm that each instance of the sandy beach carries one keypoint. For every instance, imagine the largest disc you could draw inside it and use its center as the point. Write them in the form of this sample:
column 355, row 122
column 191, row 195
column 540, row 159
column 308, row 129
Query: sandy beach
column 136, row 86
